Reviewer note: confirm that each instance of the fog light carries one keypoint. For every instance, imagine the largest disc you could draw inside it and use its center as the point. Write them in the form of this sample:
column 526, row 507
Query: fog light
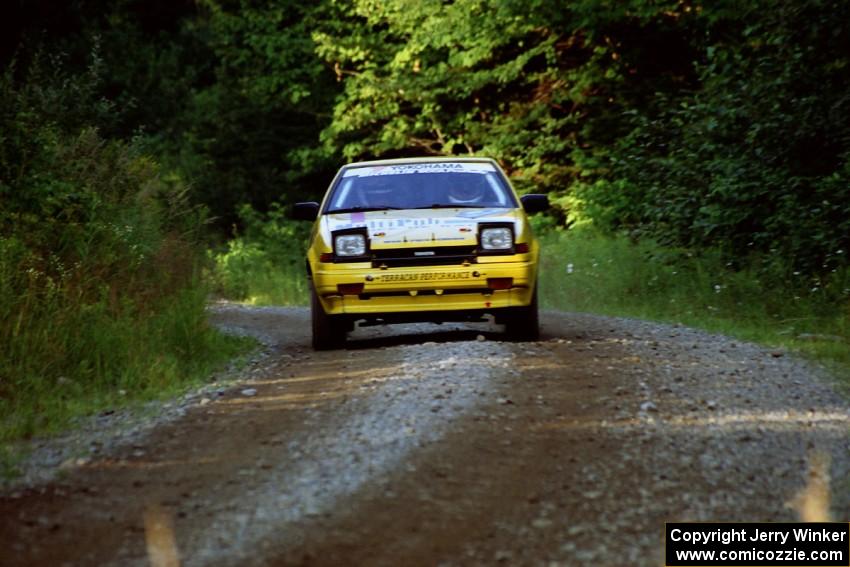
column 500, row 283
column 349, row 288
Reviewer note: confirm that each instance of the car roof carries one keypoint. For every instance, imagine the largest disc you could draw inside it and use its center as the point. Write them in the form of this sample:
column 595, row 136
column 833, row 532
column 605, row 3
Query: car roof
column 398, row 161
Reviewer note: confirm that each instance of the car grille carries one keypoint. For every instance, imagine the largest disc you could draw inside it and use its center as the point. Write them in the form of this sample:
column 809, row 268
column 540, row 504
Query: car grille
column 433, row 256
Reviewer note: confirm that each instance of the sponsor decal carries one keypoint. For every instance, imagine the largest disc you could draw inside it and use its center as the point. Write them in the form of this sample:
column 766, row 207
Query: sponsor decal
column 477, row 213
column 409, row 168
column 424, row 277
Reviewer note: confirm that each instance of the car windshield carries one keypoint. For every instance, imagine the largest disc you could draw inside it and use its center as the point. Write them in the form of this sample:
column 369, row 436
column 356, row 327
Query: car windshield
column 420, row 186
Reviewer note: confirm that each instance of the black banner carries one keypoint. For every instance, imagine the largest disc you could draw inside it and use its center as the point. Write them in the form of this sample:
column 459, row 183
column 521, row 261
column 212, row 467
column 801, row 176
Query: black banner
column 816, row 544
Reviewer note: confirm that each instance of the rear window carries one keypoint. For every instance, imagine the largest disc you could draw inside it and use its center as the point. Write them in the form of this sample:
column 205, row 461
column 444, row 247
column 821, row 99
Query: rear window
column 420, row 186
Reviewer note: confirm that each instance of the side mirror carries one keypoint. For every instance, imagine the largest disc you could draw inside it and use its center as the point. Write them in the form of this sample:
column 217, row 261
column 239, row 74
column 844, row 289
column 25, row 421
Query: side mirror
column 534, row 203
column 305, row 211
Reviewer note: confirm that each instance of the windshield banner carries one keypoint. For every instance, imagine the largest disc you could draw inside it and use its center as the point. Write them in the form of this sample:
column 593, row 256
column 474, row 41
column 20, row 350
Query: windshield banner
column 405, row 168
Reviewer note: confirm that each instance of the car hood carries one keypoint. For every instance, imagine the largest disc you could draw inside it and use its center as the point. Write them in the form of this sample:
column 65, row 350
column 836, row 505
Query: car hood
column 418, row 227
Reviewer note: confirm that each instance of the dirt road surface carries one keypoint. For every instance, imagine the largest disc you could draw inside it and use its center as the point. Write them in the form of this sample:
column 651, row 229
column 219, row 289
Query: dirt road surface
column 441, row 445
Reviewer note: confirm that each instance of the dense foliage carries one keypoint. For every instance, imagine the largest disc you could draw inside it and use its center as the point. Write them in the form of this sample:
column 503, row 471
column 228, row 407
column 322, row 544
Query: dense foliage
column 719, row 125
column 99, row 288
column 757, row 158
column 264, row 262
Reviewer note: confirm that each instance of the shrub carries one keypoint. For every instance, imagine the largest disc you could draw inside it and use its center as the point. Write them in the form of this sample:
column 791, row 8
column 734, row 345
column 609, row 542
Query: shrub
column 264, row 264
column 99, row 273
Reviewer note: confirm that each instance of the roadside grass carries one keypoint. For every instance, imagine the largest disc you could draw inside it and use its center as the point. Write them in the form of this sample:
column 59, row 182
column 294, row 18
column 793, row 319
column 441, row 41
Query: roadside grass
column 247, row 272
column 73, row 361
column 264, row 264
column 101, row 300
column 284, row 285
column 584, row 271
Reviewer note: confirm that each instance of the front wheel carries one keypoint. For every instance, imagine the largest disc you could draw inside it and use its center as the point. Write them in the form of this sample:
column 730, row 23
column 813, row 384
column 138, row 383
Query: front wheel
column 523, row 324
column 328, row 330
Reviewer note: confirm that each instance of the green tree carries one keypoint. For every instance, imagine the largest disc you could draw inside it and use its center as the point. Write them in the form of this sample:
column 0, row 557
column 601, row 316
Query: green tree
column 756, row 158
column 537, row 85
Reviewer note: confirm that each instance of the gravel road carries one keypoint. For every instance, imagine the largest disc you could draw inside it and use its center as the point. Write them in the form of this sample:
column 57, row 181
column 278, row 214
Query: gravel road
column 442, row 445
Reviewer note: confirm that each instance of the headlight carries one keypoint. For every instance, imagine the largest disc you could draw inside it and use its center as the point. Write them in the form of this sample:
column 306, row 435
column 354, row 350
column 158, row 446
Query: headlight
column 497, row 239
column 350, row 245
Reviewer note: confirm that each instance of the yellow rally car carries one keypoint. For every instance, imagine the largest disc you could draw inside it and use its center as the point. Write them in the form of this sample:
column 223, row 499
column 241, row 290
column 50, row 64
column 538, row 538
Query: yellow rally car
column 428, row 239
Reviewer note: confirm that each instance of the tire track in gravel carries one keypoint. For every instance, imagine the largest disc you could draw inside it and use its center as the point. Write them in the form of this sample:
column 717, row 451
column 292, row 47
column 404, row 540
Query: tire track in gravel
column 613, row 427
column 335, row 456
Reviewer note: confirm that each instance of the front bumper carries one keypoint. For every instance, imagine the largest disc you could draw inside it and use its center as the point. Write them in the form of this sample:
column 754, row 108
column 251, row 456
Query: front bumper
column 423, row 289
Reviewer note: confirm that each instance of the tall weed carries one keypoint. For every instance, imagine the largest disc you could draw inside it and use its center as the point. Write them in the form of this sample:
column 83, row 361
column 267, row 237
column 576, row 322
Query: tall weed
column 264, row 265
column 101, row 301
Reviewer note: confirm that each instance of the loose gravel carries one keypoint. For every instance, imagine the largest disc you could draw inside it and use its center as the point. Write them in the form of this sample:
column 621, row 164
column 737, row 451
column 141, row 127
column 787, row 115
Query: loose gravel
column 443, row 446
column 334, row 456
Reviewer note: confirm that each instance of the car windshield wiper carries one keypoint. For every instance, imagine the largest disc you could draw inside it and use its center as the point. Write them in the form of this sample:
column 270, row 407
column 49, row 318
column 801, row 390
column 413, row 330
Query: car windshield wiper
column 362, row 210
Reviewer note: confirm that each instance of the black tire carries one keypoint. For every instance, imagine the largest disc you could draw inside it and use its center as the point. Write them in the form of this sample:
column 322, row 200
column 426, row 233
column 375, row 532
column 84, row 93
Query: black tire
column 523, row 324
column 328, row 330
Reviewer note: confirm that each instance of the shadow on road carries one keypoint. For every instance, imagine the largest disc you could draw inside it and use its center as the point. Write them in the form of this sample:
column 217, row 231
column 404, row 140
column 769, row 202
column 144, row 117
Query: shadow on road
column 418, row 333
